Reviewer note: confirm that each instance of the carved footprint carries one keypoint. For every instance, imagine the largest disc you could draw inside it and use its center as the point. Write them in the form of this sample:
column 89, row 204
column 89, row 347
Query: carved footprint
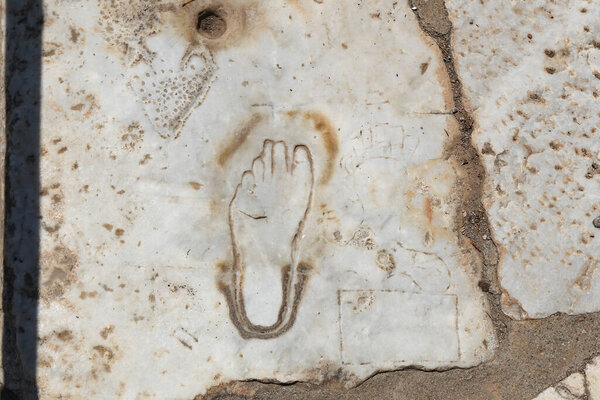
column 266, row 216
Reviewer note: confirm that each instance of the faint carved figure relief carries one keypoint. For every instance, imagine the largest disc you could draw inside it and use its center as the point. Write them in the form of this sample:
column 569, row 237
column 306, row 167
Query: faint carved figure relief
column 430, row 319
column 172, row 94
column 405, row 268
column 267, row 215
column 170, row 81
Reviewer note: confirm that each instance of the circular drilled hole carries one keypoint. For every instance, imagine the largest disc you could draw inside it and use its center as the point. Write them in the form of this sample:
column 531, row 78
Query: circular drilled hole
column 211, row 24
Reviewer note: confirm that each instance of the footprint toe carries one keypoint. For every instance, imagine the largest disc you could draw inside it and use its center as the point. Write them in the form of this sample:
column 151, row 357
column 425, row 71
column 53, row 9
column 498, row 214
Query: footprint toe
column 267, row 157
column 248, row 180
column 302, row 162
column 301, row 155
column 258, row 168
column 280, row 158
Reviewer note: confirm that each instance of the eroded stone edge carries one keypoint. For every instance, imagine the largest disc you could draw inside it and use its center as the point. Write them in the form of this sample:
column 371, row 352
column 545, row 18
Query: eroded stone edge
column 471, row 223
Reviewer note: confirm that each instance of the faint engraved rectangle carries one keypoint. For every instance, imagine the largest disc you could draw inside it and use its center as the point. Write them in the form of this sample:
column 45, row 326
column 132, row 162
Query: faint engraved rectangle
column 397, row 327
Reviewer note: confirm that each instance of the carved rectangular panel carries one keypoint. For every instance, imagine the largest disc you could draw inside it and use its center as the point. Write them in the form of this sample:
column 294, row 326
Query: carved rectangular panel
column 391, row 327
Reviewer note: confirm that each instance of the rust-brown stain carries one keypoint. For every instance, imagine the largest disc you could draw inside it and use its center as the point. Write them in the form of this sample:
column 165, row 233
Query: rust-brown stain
column 195, row 185
column 239, row 137
column 330, row 141
column 428, row 210
column 74, row 35
column 65, row 335
column 83, row 295
column 145, row 159
column 510, row 302
column 107, row 331
column 106, row 356
column 296, row 4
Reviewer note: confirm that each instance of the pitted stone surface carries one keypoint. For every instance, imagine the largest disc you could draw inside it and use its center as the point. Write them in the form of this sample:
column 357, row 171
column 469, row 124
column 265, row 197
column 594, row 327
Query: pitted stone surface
column 271, row 200
column 531, row 71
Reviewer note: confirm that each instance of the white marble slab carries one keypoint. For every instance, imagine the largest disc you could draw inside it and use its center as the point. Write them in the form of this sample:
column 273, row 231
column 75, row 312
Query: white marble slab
column 579, row 385
column 531, row 71
column 215, row 204
column 592, row 374
column 571, row 388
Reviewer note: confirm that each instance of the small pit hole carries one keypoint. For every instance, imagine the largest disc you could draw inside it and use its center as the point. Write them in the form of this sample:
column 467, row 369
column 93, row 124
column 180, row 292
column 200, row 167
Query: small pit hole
column 210, row 24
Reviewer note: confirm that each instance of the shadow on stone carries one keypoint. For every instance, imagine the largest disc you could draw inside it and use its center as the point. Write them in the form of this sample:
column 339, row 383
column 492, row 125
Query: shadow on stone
column 22, row 67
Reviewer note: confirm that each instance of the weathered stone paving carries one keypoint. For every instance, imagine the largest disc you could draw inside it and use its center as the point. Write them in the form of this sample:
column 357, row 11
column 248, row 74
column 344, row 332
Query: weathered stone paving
column 303, row 192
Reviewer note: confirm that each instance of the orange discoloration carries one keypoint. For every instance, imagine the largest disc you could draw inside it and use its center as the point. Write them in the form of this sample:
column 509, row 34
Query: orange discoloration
column 296, row 4
column 238, row 139
column 428, row 210
column 107, row 331
column 195, row 185
column 84, row 295
column 144, row 160
column 330, row 140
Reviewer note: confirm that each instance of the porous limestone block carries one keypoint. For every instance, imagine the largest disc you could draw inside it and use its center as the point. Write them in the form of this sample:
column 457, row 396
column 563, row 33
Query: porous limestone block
column 531, row 72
